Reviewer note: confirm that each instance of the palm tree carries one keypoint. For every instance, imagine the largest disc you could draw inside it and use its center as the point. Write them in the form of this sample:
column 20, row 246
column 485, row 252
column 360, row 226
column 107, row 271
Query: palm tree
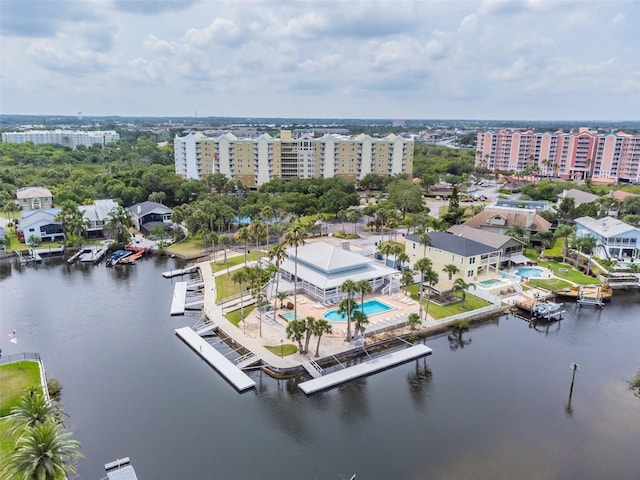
column 309, row 328
column 240, row 277
column 295, row 331
column 422, row 266
column 516, row 231
column 225, row 243
column 414, row 320
column 277, row 254
column 294, row 237
column 43, row 452
column 451, row 270
column 319, row 328
column 402, row 258
column 350, row 288
column 425, row 240
column 360, row 320
column 118, row 220
column 281, row 296
column 258, row 231
column 33, row 409
column 385, row 249
column 462, row 286
column 363, row 287
column 353, row 216
column 431, row 277
column 564, row 231
column 244, row 235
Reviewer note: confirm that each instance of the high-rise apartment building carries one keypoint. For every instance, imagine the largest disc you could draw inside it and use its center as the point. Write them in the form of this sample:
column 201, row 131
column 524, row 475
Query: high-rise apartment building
column 573, row 155
column 68, row 138
column 255, row 161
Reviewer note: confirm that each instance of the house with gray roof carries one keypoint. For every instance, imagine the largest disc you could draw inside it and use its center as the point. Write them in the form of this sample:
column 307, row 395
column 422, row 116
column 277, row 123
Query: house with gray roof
column 323, row 268
column 614, row 239
column 473, row 259
column 579, row 196
column 147, row 215
column 96, row 215
column 41, row 224
column 510, row 248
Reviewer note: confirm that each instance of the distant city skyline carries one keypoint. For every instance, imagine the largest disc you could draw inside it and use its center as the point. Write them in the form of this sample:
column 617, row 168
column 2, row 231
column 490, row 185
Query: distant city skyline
column 497, row 59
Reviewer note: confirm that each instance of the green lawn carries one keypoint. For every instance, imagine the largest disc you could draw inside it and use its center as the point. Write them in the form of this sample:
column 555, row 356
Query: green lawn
column 225, row 286
column 552, row 284
column 556, row 248
column 471, row 302
column 219, row 265
column 15, row 378
column 235, row 317
column 189, row 247
column 284, row 350
column 571, row 274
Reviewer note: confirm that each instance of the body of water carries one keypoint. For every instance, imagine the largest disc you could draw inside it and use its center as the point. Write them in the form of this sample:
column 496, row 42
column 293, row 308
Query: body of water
column 491, row 405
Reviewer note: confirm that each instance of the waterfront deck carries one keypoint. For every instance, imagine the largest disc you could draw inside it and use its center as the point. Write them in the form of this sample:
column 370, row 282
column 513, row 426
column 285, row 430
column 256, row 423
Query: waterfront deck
column 179, row 298
column 181, row 271
column 365, row 368
column 236, row 377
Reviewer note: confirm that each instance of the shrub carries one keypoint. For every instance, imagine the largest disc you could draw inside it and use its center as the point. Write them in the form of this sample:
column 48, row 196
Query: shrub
column 635, row 382
column 54, row 387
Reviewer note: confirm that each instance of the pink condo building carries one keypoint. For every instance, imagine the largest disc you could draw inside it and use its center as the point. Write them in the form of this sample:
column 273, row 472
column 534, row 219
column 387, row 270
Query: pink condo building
column 574, row 155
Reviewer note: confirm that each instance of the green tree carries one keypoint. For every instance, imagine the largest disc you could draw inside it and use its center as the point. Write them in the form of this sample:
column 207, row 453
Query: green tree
column 33, row 409
column 461, row 286
column 244, row 235
column 405, row 195
column 422, row 265
column 241, row 277
column 319, row 328
column 360, row 321
column 348, row 304
column 294, row 237
column 296, row 330
column 310, row 325
column 431, row 277
column 44, row 452
column 450, row 270
column 277, row 254
column 414, row 320
column 117, row 224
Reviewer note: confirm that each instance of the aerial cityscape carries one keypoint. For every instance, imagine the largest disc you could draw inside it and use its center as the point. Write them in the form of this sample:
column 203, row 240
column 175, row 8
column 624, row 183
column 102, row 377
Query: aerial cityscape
column 336, row 239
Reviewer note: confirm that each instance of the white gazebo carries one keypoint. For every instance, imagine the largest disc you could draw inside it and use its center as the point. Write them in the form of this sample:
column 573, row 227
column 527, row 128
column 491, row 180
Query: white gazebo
column 323, row 268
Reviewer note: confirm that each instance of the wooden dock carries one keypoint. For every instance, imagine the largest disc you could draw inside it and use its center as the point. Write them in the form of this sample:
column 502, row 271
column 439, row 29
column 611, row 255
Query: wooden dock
column 365, row 368
column 236, row 377
column 179, row 298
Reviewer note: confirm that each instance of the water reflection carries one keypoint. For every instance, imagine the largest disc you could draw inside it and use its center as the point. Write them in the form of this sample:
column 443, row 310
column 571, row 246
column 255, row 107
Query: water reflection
column 419, row 380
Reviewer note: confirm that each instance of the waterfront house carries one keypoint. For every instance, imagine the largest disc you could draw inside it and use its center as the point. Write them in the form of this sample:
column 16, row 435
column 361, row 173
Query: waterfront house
column 147, row 215
column 323, row 268
column 473, row 259
column 614, row 238
column 96, row 215
column 510, row 248
column 502, row 219
column 579, row 197
column 41, row 224
column 34, row 198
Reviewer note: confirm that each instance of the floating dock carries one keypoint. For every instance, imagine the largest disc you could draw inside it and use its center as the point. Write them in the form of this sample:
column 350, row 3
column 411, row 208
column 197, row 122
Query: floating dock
column 182, row 271
column 365, row 368
column 179, row 298
column 120, row 469
column 236, row 377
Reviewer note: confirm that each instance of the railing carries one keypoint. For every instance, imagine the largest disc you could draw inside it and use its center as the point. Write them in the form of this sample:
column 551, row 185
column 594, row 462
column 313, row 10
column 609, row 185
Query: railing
column 31, row 356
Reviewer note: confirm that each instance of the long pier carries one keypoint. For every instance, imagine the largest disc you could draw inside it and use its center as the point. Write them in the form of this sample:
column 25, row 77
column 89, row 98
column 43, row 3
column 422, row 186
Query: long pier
column 181, row 271
column 365, row 368
column 236, row 377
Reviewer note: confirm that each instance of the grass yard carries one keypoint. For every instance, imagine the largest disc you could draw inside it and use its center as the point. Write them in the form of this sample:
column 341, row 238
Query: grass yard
column 189, row 247
column 15, row 378
column 235, row 317
column 225, row 287
column 438, row 312
column 551, row 284
column 571, row 275
column 283, row 350
column 219, row 265
column 556, row 248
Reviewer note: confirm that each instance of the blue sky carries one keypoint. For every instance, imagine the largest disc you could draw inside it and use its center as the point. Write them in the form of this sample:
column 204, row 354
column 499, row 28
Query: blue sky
column 496, row 59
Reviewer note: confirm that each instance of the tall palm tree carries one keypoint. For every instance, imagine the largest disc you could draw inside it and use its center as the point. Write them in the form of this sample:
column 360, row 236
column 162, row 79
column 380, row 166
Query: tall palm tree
column 360, row 320
column 319, row 328
column 425, row 240
column 451, row 270
column 363, row 287
column 240, row 277
column 461, row 286
column 296, row 330
column 293, row 238
column 118, row 220
column 44, row 452
column 414, row 320
column 244, row 235
column 431, row 277
column 350, row 288
column 310, row 323
column 564, row 231
column 225, row 243
column 277, row 254
column 402, row 258
column 259, row 232
column 422, row 266
column 386, row 248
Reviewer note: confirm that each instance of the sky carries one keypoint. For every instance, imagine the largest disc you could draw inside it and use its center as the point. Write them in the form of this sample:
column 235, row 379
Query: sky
column 450, row 59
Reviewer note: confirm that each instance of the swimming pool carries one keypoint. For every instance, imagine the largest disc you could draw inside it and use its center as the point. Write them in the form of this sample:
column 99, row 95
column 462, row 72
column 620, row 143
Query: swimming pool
column 492, row 282
column 290, row 316
column 371, row 307
column 529, row 272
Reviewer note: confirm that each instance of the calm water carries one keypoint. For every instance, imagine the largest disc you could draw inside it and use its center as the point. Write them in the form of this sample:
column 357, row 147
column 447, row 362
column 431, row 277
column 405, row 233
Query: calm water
column 491, row 408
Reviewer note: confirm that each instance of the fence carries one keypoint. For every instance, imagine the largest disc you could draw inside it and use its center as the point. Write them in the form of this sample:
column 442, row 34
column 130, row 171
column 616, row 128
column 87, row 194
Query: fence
column 20, row 357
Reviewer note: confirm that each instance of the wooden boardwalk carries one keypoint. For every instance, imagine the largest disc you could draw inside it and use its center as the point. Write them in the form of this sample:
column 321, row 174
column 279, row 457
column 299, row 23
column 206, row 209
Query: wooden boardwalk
column 236, row 377
column 365, row 368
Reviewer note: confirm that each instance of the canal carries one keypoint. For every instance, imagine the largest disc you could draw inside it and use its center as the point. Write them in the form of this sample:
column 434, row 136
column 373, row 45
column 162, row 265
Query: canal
column 493, row 406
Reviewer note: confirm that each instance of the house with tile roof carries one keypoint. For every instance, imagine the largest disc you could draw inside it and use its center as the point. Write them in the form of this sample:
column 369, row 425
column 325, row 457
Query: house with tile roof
column 323, row 268
column 34, row 198
column 501, row 219
column 614, row 238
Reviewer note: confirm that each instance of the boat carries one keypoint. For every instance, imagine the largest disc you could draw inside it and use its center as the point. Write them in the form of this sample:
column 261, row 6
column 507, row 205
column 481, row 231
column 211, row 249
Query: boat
column 596, row 292
column 547, row 309
column 117, row 256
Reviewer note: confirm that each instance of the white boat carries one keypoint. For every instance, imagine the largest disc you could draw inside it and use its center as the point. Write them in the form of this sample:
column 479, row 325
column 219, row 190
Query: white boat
column 547, row 309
